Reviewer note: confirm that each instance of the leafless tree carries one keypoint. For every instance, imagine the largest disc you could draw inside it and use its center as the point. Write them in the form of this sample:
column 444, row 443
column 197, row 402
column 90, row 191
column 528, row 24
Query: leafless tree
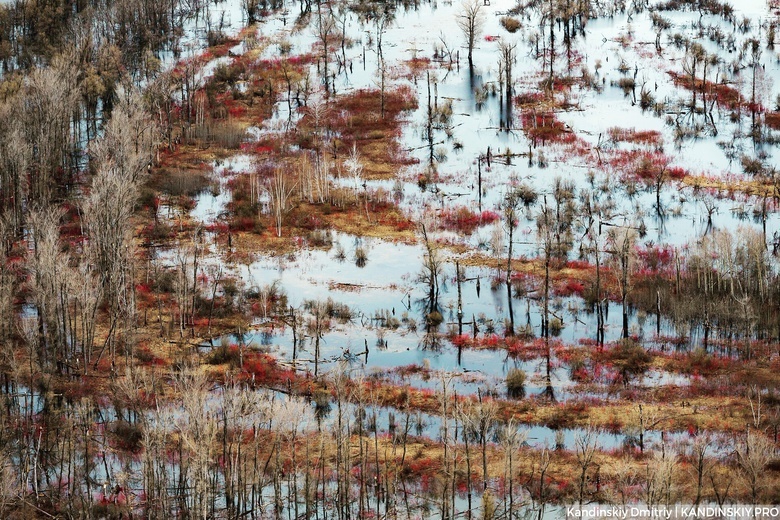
column 623, row 257
column 15, row 158
column 9, row 483
column 185, row 286
column 626, row 478
column 316, row 326
column 753, row 455
column 481, row 419
column 325, row 29
column 537, row 483
column 507, row 58
column 471, row 20
column 198, row 431
column 251, row 9
column 585, row 447
column 659, row 478
column 49, row 270
column 512, row 439
column 50, row 101
column 701, row 462
column 432, row 268
column 317, row 179
column 122, row 157
column 7, row 284
column 280, row 191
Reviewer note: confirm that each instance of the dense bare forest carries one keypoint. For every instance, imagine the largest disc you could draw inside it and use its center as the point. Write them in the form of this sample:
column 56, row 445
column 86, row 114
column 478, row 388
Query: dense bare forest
column 387, row 259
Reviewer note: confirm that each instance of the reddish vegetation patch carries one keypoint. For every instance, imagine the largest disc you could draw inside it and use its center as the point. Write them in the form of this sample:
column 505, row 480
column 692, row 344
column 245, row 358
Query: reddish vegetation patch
column 361, row 118
column 262, row 370
column 569, row 288
column 677, row 172
column 517, row 347
column 361, row 111
column 410, row 370
column 220, row 50
column 725, row 96
column 562, row 84
column 631, row 135
column 402, row 397
column 242, row 207
column 280, row 65
column 772, row 120
column 579, row 264
column 529, row 98
column 696, row 363
column 656, row 260
column 265, row 145
column 643, row 165
column 464, row 220
column 147, row 358
column 395, row 220
column 544, row 126
column 418, row 65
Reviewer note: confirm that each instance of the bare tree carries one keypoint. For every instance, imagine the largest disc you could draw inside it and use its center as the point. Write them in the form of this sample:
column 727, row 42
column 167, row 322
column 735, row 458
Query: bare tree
column 701, row 462
column 185, row 287
column 279, row 191
column 659, row 478
column 585, row 446
column 694, row 55
column 507, row 52
column 522, row 195
column 158, row 477
column 657, row 175
column 316, row 326
column 251, row 8
column 432, row 267
column 7, row 285
column 198, row 431
column 554, row 232
column 292, row 417
column 512, row 439
column 325, row 30
column 48, row 269
column 753, row 455
column 122, row 158
column 625, row 479
column 538, row 484
column 622, row 240
column 354, row 167
column 481, row 418
column 15, row 158
column 50, row 101
column 471, row 20
column 9, row 483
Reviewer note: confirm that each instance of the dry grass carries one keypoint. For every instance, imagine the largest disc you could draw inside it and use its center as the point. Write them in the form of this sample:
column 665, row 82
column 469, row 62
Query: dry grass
column 375, row 133
column 729, row 186
column 389, row 224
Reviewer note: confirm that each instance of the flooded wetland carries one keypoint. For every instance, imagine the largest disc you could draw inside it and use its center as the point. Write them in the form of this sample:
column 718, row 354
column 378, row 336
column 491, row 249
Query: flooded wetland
column 388, row 259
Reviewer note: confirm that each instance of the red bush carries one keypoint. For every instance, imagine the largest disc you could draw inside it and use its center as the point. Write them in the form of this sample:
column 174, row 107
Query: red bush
column 544, row 126
column 631, row 135
column 262, row 369
column 466, row 221
column 569, row 288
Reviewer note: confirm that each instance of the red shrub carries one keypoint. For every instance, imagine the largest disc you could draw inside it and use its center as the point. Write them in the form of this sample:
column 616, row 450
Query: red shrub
column 466, row 221
column 677, row 172
column 544, row 126
column 578, row 264
column 569, row 288
column 631, row 135
column 772, row 120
